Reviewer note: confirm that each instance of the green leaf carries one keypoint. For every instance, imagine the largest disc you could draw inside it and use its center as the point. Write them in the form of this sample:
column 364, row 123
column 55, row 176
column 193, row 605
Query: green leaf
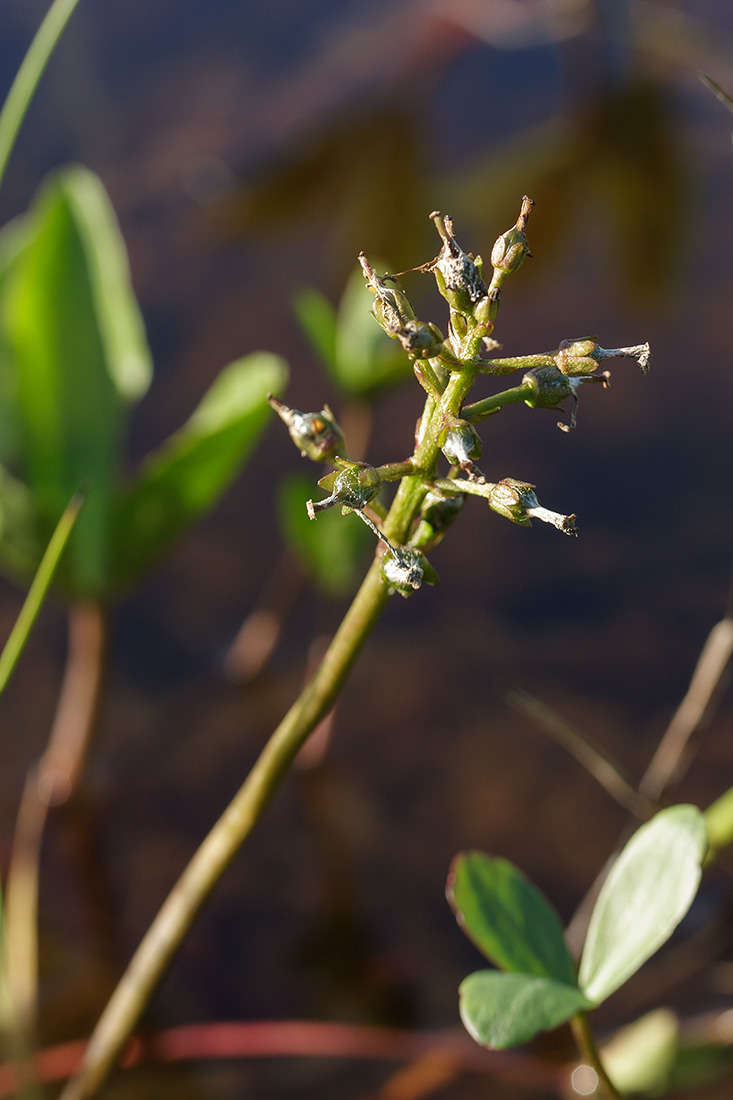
column 76, row 348
column 356, row 352
column 20, row 546
column 13, row 238
column 29, row 74
column 317, row 318
column 186, row 476
column 640, row 1057
column 121, row 327
column 698, row 1065
column 331, row 549
column 505, row 1010
column 647, row 893
column 508, row 918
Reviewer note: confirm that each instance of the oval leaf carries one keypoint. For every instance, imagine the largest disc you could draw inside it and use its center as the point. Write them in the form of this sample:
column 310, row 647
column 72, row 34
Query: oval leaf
column 647, row 893
column 189, row 472
column 505, row 1010
column 640, row 1057
column 508, row 918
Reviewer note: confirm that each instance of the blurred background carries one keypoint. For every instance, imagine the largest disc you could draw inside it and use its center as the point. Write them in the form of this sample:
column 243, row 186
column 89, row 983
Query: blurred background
column 252, row 150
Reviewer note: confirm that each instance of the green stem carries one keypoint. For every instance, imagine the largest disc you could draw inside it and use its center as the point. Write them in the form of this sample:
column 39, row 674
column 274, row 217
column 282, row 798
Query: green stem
column 586, row 1044
column 480, row 410
column 37, row 591
column 516, row 362
column 29, row 74
column 52, row 781
column 395, row 471
column 173, row 921
column 165, row 934
column 465, row 485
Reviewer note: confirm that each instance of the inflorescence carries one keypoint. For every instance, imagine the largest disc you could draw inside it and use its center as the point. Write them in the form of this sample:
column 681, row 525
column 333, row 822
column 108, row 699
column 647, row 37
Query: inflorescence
column 446, row 368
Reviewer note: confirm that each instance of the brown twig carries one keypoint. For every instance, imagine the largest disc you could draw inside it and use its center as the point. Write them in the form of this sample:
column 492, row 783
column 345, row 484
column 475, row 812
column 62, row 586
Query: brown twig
column 579, row 745
column 693, row 713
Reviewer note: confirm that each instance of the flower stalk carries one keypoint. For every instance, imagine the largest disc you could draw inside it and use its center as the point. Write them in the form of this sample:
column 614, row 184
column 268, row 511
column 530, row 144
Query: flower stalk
column 424, row 505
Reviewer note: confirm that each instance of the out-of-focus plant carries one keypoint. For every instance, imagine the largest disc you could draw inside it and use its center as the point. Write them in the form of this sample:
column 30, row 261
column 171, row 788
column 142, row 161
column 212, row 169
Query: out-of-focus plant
column 74, row 358
column 73, row 361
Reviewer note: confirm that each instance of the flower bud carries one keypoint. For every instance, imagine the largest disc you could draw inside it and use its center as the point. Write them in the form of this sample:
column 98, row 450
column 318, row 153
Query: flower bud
column 516, row 500
column 420, row 340
column 510, row 250
column 458, row 274
column 461, row 444
column 353, row 486
column 392, row 309
column 316, row 435
column 405, row 570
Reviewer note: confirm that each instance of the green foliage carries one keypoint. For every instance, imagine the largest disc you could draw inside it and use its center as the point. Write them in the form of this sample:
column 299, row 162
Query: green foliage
column 186, row 476
column 73, row 358
column 357, row 355
column 646, row 894
column 20, row 544
column 648, row 891
column 78, row 355
column 641, row 1057
column 331, row 551
column 504, row 1010
column 508, row 918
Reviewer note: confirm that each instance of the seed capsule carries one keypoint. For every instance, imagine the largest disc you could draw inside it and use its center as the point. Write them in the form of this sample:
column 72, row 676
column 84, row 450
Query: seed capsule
column 511, row 248
column 462, row 444
column 420, row 340
column 392, row 309
column 405, row 570
column 516, row 500
column 459, row 275
column 315, row 434
column 549, row 387
column 353, row 486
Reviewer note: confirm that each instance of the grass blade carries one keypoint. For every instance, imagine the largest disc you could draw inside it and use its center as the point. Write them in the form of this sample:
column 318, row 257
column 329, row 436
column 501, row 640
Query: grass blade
column 38, row 589
column 29, row 74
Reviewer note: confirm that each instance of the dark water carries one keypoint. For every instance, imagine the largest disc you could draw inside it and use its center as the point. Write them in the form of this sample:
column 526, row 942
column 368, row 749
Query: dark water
column 250, row 149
